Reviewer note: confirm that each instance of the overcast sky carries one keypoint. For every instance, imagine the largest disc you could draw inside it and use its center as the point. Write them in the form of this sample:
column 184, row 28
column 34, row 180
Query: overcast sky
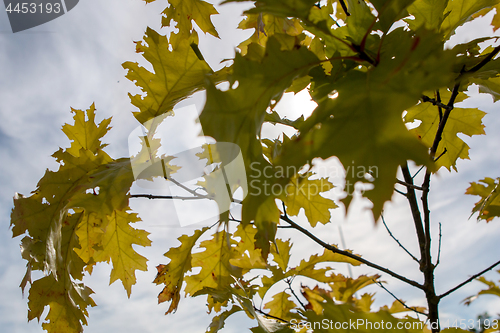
column 76, row 60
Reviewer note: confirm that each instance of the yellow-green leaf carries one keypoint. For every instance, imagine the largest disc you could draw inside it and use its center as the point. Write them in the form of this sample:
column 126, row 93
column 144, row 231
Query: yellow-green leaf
column 172, row 274
column 177, row 74
column 117, row 242
column 216, row 269
column 461, row 120
column 303, row 192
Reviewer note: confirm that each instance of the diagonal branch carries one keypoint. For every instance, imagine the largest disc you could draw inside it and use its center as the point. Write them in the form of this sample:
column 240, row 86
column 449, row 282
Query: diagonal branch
column 397, row 299
column 397, row 241
column 415, row 211
column 349, row 255
column 469, row 280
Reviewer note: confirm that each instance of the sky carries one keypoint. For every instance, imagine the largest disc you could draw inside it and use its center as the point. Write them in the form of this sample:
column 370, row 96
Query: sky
column 75, row 60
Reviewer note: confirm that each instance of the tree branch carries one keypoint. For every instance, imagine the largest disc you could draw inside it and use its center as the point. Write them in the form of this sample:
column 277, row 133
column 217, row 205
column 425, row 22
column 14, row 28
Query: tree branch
column 397, row 241
column 289, row 282
column 397, row 299
column 172, row 197
column 469, row 280
column 415, row 211
column 350, row 255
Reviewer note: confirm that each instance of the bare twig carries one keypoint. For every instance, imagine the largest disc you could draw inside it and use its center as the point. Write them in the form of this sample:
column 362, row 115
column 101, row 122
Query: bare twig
column 469, row 280
column 397, row 241
column 397, row 299
column 350, row 255
column 439, row 246
column 289, row 282
column 171, row 197
column 400, row 192
column 412, row 186
column 270, row 316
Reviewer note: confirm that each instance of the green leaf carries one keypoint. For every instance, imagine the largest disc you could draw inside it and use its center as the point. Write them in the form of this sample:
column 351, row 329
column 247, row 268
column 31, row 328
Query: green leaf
column 237, row 115
column 460, row 11
column 490, row 86
column 390, row 11
column 266, row 25
column 347, row 124
column 427, row 13
column 172, row 274
column 461, row 120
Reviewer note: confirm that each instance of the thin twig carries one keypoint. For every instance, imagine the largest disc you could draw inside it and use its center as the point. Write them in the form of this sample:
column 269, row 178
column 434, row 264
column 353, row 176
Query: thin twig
column 440, row 155
column 439, row 246
column 400, row 192
column 416, row 173
column 397, row 299
column 469, row 280
column 397, row 241
column 289, row 282
column 484, row 61
column 415, row 187
column 350, row 255
column 434, row 102
column 270, row 316
column 171, row 197
column 344, row 7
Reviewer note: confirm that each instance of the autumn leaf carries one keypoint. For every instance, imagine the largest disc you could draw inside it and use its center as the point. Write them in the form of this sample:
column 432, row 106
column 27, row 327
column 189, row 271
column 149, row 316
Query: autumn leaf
column 280, row 306
column 489, row 205
column 172, row 274
column 117, row 241
column 177, row 74
column 303, row 192
column 183, row 12
column 216, row 269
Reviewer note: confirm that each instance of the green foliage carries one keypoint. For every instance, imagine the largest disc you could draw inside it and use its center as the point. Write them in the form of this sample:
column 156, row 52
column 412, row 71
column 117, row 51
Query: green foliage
column 370, row 78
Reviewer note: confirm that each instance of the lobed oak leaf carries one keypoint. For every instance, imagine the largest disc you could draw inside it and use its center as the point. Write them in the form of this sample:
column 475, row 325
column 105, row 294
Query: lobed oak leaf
column 216, row 270
column 117, row 242
column 172, row 274
column 280, row 306
column 461, row 120
column 177, row 74
column 489, row 205
column 303, row 192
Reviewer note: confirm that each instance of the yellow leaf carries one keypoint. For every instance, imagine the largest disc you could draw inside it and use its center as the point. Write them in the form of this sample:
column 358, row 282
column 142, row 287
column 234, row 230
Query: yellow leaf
column 177, row 74
column 117, row 242
column 303, row 192
column 280, row 306
column 216, row 270
column 172, row 274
